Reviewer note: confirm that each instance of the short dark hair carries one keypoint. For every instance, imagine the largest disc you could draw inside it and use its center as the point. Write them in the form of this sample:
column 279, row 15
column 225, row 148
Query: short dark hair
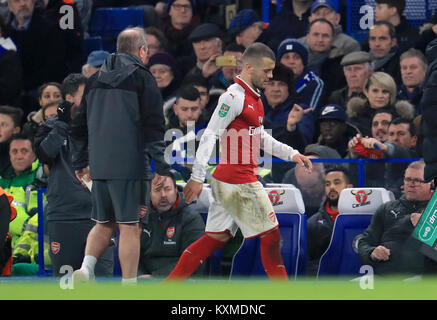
column 322, row 21
column 196, row 80
column 389, row 25
column 398, row 4
column 159, row 35
column 189, row 93
column 71, row 83
column 22, row 136
column 411, row 126
column 340, row 168
column 385, row 110
column 16, row 114
column 234, row 47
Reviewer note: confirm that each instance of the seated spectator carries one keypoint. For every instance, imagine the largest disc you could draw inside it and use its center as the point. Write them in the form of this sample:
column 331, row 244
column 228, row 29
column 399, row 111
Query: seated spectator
column 47, row 93
column 321, row 224
column 310, row 185
column 208, row 98
column 329, row 10
column 393, row 12
column 156, row 42
column 11, row 73
column 184, row 124
column 278, row 100
column 384, row 50
column 10, row 121
column 177, row 24
column 225, row 75
column 387, row 244
column 22, row 184
column 323, row 58
column 41, row 48
column 413, row 69
column 7, row 214
column 172, row 226
column 400, row 142
column 308, row 86
column 246, row 27
column 357, row 69
column 163, row 68
column 207, row 46
column 94, row 62
column 291, row 22
column 380, row 92
column 335, row 129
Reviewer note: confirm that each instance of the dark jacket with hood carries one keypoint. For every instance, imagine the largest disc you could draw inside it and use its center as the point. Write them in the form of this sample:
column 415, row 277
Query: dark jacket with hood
column 67, row 199
column 429, row 108
column 391, row 228
column 361, row 114
column 165, row 237
column 121, row 122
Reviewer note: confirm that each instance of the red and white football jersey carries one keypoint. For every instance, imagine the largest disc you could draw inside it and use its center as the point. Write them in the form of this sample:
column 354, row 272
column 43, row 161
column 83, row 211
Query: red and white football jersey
column 238, row 121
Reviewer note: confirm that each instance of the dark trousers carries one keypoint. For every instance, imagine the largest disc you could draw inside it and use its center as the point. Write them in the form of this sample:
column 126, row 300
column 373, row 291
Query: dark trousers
column 67, row 246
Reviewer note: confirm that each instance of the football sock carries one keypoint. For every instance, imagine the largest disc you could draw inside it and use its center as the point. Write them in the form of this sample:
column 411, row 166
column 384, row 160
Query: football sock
column 271, row 256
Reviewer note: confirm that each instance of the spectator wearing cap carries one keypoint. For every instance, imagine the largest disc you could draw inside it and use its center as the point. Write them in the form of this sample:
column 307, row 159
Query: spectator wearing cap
column 246, row 27
column 281, row 107
column 94, row 62
column 207, row 45
column 323, row 57
column 308, row 85
column 291, row 22
column 357, row 69
column 177, row 23
column 163, row 68
column 335, row 129
column 329, row 10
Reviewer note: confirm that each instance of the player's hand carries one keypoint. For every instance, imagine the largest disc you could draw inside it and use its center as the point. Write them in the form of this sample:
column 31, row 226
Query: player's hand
column 192, row 190
column 380, row 253
column 303, row 161
column 295, row 115
column 83, row 175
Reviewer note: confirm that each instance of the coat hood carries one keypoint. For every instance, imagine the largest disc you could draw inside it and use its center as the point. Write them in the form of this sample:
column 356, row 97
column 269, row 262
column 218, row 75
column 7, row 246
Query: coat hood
column 117, row 67
column 357, row 106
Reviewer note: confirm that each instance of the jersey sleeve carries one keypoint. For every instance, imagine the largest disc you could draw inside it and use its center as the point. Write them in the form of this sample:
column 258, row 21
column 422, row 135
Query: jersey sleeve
column 229, row 107
column 276, row 148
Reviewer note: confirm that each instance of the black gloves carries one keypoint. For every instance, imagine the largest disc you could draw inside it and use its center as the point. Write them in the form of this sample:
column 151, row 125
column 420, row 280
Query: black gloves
column 64, row 111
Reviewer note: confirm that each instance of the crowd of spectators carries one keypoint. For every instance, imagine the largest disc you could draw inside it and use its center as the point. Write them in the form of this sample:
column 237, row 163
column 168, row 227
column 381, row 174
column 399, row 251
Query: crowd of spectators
column 330, row 96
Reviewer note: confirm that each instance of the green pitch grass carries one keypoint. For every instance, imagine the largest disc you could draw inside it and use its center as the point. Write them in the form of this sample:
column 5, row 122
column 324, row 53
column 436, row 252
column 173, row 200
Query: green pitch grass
column 302, row 289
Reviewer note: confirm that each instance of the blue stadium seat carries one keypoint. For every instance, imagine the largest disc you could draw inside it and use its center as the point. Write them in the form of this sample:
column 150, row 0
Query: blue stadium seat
column 108, row 22
column 356, row 207
column 91, row 44
column 289, row 208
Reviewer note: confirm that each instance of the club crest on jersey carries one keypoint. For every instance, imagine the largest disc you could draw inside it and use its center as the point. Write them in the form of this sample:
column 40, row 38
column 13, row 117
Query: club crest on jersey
column 224, row 109
column 56, row 247
column 170, row 232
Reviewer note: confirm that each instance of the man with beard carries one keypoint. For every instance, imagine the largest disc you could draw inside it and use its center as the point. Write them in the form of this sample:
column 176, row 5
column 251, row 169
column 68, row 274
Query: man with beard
column 321, row 224
column 171, row 228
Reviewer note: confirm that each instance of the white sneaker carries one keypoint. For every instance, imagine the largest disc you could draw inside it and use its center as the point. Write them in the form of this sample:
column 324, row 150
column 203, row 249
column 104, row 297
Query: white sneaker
column 82, row 276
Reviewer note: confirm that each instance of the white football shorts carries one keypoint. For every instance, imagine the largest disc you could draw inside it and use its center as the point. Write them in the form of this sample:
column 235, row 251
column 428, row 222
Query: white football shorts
column 245, row 206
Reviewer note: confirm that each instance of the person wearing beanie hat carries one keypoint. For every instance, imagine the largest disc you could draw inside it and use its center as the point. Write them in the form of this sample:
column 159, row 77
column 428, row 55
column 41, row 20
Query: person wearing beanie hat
column 246, row 27
column 163, row 68
column 308, row 86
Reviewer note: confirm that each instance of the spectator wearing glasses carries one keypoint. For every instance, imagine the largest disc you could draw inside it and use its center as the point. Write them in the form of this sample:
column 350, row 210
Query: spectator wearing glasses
column 387, row 244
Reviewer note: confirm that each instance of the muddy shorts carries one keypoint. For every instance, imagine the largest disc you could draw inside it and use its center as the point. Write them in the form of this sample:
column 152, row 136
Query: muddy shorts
column 245, row 206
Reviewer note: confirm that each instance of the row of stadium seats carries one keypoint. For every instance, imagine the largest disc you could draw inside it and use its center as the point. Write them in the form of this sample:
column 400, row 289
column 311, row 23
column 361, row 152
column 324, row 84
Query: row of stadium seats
column 356, row 207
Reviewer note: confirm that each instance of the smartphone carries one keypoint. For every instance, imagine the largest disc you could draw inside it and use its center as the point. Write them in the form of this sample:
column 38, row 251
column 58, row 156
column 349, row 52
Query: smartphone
column 226, row 61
